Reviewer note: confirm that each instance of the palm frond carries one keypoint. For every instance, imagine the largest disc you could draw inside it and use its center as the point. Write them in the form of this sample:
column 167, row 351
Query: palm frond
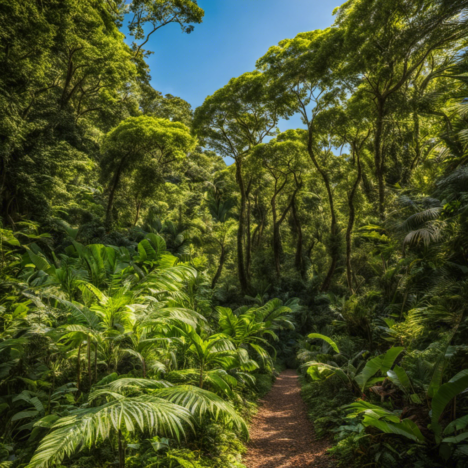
column 86, row 426
column 200, row 402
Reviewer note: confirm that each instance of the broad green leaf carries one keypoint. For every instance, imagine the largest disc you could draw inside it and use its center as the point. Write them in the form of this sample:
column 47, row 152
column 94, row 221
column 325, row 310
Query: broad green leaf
column 400, row 378
column 456, row 425
column 321, row 371
column 456, row 439
column 444, row 396
column 371, row 368
column 324, row 338
column 40, row 262
column 24, row 414
column 390, row 357
column 406, row 428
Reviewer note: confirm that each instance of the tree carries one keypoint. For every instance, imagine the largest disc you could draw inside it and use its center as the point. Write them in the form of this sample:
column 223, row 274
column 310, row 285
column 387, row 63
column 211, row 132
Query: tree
column 159, row 13
column 352, row 128
column 283, row 159
column 302, row 67
column 66, row 74
column 140, row 140
column 385, row 43
column 232, row 121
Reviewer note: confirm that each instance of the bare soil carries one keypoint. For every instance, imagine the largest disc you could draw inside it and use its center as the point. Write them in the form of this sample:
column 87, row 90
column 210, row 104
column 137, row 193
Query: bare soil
column 281, row 435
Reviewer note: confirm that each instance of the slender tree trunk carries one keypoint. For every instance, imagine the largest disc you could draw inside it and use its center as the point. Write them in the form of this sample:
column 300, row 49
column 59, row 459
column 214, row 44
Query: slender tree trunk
column 110, row 202
column 219, row 271
column 143, row 364
column 277, row 247
column 240, row 232
column 248, row 248
column 334, row 251
column 90, row 376
column 276, row 237
column 95, row 362
column 309, row 250
column 378, row 156
column 78, row 370
column 261, row 229
column 298, row 261
column 417, row 143
column 352, row 215
column 138, row 206
column 121, row 451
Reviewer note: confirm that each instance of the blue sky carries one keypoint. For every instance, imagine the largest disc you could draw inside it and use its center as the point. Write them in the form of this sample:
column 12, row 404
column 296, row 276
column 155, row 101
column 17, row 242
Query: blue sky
column 233, row 35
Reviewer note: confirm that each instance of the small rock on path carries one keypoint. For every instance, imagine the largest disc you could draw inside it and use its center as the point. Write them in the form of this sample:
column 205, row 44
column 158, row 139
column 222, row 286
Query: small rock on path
column 281, row 435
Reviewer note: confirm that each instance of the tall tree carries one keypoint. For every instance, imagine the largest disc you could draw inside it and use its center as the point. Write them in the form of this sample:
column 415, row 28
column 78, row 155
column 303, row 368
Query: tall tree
column 138, row 141
column 302, row 67
column 283, row 158
column 385, row 43
column 234, row 120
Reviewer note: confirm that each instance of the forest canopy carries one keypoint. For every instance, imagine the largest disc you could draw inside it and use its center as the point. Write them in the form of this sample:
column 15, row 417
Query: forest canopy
column 149, row 292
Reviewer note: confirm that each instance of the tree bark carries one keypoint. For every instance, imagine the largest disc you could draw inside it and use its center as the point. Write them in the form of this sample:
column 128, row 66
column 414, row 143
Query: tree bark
column 248, row 248
column 379, row 161
column 277, row 247
column 298, row 261
column 90, row 376
column 113, row 188
column 137, row 212
column 219, row 271
column 95, row 362
column 78, row 370
column 352, row 215
column 240, row 232
column 334, row 251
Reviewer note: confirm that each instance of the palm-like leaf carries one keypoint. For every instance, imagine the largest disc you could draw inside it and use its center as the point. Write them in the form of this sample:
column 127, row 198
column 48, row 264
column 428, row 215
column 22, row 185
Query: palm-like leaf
column 86, row 426
column 200, row 402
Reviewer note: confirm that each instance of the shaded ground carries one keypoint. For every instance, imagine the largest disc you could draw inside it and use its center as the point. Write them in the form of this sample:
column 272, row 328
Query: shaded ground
column 281, row 435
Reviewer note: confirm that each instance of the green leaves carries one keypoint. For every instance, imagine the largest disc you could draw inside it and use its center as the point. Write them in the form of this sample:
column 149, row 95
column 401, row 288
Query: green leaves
column 84, row 427
column 381, row 363
column 321, row 371
column 200, row 402
column 385, row 420
column 400, row 378
column 444, row 395
column 325, row 338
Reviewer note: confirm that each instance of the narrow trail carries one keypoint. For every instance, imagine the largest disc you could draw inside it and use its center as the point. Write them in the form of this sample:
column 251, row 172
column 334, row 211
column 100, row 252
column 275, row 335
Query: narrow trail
column 281, row 434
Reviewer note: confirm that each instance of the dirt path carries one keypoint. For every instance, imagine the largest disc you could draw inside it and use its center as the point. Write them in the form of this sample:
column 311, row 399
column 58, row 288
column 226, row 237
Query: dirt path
column 281, row 435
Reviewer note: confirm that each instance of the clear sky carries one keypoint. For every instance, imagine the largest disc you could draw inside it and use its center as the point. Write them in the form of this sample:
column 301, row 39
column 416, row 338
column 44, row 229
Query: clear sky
column 233, row 35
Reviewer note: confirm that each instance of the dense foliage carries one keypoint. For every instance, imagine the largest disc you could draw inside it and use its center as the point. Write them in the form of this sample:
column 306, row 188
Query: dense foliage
column 147, row 288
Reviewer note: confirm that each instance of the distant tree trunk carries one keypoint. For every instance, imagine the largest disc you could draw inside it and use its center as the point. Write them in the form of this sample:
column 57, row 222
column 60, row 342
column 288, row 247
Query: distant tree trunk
column 112, row 190
column 311, row 247
column 90, row 376
column 416, row 139
column 240, row 232
column 379, row 160
column 352, row 215
column 277, row 248
column 78, row 369
column 95, row 362
column 219, row 271
column 258, row 231
column 138, row 207
column 248, row 249
column 334, row 240
column 298, row 261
